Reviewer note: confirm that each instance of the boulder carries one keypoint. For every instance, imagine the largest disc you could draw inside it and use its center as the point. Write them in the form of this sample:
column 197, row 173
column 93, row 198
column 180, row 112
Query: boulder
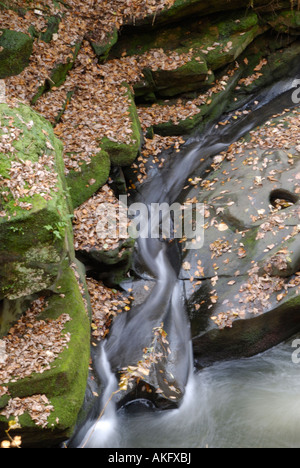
column 83, row 183
column 185, row 56
column 242, row 286
column 15, row 51
column 35, row 225
column 286, row 22
column 49, row 388
column 181, row 9
column 123, row 154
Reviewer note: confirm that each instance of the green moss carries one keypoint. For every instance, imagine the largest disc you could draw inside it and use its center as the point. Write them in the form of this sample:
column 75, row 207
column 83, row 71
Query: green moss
column 64, row 384
column 52, row 28
column 59, row 74
column 102, row 49
column 16, row 49
column 287, row 22
column 92, row 176
column 22, row 229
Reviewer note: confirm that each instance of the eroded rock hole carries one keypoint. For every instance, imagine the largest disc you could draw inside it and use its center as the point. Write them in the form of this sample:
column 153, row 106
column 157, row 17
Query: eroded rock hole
column 281, row 199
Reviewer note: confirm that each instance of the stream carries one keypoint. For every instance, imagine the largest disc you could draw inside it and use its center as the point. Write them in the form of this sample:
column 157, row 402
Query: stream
column 252, row 402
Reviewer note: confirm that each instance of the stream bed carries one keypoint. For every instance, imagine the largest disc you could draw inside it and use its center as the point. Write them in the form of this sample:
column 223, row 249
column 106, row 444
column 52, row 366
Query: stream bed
column 249, row 402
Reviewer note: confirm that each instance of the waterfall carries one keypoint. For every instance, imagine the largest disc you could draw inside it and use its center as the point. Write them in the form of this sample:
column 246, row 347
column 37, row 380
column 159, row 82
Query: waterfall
column 99, row 432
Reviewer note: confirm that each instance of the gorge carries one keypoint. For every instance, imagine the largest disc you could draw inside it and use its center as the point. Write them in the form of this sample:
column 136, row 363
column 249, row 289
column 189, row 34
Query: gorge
column 112, row 342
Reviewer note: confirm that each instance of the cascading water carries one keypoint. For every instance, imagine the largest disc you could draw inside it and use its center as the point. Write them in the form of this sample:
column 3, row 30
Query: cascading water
column 241, row 394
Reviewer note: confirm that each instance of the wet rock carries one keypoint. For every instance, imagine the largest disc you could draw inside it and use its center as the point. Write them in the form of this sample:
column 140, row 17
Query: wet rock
column 110, row 266
column 242, row 286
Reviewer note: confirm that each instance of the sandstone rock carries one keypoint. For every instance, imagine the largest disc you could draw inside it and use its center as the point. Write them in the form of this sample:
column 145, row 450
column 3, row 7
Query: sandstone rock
column 35, row 226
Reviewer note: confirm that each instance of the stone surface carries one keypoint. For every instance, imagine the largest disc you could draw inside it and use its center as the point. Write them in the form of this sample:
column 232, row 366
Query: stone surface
column 35, row 225
column 122, row 154
column 242, row 286
column 84, row 183
column 65, row 382
column 15, row 50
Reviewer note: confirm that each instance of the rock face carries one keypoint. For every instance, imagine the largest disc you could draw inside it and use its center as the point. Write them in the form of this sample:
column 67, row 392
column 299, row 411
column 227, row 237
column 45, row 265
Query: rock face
column 37, row 277
column 50, row 385
column 15, row 51
column 246, row 299
column 35, row 226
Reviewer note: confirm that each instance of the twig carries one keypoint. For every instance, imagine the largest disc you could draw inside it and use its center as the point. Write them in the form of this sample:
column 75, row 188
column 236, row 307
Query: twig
column 100, row 416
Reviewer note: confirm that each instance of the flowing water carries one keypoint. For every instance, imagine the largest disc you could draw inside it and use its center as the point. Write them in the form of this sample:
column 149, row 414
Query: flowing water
column 252, row 402
column 246, row 403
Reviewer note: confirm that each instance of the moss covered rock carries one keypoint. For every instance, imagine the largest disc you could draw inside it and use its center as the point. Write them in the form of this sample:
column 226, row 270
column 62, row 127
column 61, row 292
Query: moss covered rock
column 15, row 50
column 123, row 154
column 35, row 225
column 102, row 48
column 63, row 382
column 287, row 22
column 205, row 45
column 84, row 183
column 182, row 9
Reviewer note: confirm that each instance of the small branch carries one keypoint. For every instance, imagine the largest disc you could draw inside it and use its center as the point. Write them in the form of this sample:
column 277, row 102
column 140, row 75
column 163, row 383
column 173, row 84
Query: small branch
column 100, row 416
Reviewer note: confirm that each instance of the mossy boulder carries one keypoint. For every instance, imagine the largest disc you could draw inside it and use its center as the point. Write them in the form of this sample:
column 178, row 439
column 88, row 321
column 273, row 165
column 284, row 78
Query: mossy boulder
column 35, row 225
column 286, row 22
column 102, row 48
column 123, row 154
column 267, row 60
column 208, row 45
column 64, row 383
column 189, row 77
column 182, row 9
column 84, row 183
column 15, row 51
column 216, row 100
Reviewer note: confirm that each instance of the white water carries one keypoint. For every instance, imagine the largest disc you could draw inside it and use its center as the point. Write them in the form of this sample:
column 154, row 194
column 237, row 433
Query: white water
column 104, row 429
column 246, row 403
